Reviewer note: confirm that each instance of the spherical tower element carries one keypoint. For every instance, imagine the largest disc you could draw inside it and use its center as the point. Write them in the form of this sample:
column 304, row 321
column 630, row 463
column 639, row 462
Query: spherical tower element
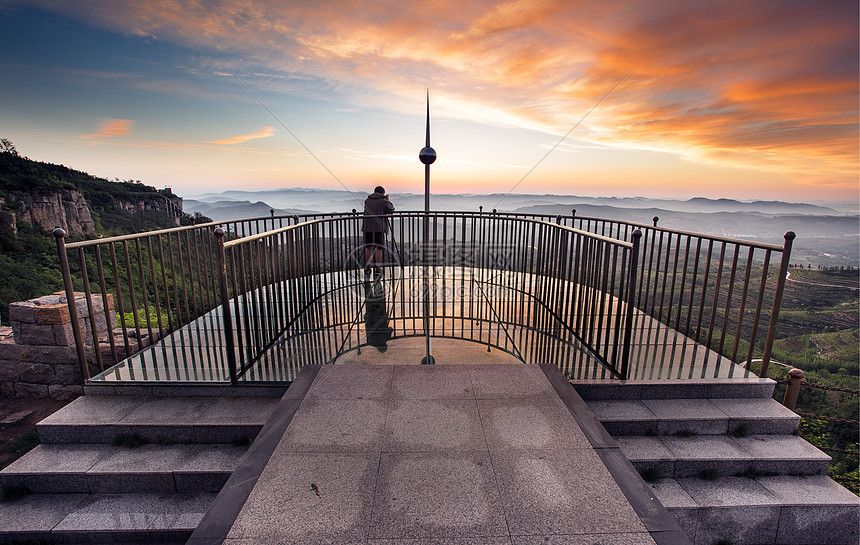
column 427, row 155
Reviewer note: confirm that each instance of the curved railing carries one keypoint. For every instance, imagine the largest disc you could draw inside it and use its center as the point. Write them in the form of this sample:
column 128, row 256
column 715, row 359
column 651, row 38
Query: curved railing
column 261, row 297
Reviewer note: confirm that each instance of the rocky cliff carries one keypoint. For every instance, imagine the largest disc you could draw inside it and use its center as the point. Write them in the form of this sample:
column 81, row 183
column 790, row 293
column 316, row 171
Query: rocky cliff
column 64, row 208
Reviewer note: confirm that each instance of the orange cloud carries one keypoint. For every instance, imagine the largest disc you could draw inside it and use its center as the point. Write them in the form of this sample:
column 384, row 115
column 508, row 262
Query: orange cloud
column 759, row 85
column 111, row 128
column 262, row 132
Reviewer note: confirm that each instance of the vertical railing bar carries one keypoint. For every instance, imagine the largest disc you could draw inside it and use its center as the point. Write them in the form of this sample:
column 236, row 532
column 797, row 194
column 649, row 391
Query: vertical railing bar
column 705, row 279
column 208, row 262
column 606, row 298
column 143, row 289
column 631, row 296
column 728, row 307
column 131, row 296
column 757, row 315
column 200, row 283
column 161, row 260
column 683, row 284
column 243, row 257
column 716, row 303
column 120, row 306
column 156, row 298
column 742, row 308
column 690, row 305
column 226, row 316
column 97, row 356
column 238, row 297
column 106, row 308
column 665, row 280
column 191, row 282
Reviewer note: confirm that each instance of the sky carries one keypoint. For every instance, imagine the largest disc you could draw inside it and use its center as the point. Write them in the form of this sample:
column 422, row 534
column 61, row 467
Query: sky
column 744, row 99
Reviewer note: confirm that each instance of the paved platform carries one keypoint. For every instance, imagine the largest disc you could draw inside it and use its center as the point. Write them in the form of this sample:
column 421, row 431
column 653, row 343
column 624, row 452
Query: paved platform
column 481, row 454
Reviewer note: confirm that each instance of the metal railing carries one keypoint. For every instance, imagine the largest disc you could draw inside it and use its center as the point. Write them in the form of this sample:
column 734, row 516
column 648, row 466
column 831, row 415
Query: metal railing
column 722, row 293
column 288, row 290
column 149, row 284
column 493, row 276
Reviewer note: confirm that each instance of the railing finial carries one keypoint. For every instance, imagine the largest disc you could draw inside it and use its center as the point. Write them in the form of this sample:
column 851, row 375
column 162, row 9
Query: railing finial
column 795, row 377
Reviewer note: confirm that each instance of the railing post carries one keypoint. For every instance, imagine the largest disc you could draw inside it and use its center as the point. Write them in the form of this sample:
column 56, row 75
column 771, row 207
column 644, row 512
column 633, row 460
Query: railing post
column 631, row 297
column 60, row 236
column 655, row 219
column 777, row 302
column 225, row 306
column 795, row 378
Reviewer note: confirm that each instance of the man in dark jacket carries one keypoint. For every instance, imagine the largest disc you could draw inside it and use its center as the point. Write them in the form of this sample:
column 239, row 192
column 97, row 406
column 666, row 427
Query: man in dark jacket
column 376, row 206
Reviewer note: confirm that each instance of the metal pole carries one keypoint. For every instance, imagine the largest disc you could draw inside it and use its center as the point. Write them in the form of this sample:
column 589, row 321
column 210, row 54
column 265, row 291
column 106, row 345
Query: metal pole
column 777, row 302
column 427, row 155
column 225, row 306
column 60, row 236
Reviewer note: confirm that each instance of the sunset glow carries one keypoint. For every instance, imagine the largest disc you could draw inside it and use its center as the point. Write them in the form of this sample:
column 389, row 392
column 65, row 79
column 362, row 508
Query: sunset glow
column 723, row 98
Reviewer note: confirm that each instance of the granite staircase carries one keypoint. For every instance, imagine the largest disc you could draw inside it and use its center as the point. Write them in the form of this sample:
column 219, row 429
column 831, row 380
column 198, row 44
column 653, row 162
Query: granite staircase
column 725, row 459
column 127, row 469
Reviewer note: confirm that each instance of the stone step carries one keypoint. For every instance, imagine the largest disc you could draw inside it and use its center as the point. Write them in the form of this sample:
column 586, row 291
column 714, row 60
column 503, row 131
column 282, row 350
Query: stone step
column 781, row 510
column 715, row 388
column 694, row 416
column 108, row 419
column 100, row 468
column 163, row 518
column 722, row 455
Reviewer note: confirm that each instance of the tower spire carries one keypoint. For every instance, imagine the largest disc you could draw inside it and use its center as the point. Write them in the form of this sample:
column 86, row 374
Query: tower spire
column 427, row 142
column 427, row 156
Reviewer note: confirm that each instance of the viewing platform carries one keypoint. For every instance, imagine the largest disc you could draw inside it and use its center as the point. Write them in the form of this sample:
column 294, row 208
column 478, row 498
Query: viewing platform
column 590, row 383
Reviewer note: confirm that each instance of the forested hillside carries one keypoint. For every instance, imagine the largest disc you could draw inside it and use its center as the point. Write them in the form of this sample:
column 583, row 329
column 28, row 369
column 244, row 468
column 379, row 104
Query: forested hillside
column 28, row 253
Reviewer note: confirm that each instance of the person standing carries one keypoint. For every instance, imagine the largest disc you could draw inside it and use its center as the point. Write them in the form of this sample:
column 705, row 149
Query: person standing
column 376, row 207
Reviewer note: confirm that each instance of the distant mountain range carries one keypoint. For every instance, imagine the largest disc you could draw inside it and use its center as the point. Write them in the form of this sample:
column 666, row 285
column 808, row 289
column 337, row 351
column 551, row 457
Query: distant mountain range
column 327, row 200
column 826, row 235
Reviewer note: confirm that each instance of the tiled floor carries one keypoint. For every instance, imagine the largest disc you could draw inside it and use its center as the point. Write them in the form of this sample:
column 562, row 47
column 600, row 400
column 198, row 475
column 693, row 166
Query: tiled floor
column 484, row 454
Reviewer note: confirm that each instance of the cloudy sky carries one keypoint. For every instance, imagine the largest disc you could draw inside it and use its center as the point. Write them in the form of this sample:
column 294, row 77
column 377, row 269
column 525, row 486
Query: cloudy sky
column 666, row 98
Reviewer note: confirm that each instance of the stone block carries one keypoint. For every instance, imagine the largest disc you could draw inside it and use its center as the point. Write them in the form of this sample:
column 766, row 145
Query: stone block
column 22, row 312
column 23, row 389
column 53, row 310
column 37, row 373
column 65, row 392
column 36, row 334
column 11, row 351
column 57, row 313
column 67, row 374
column 63, row 334
column 55, row 355
column 9, row 371
column 16, row 332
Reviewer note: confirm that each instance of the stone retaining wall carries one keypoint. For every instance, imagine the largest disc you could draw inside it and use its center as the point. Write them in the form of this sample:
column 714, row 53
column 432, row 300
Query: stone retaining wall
column 38, row 357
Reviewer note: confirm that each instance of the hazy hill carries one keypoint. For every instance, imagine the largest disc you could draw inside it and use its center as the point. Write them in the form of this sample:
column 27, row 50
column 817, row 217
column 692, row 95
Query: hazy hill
column 825, row 236
column 326, row 200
